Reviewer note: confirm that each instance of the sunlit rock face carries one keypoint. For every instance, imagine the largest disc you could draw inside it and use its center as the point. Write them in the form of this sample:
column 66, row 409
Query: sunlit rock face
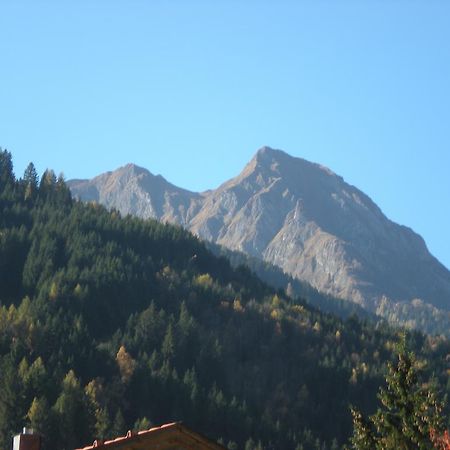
column 297, row 215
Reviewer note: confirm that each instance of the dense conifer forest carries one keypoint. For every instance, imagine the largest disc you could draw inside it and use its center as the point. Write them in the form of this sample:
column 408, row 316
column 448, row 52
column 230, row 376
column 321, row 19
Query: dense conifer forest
column 110, row 323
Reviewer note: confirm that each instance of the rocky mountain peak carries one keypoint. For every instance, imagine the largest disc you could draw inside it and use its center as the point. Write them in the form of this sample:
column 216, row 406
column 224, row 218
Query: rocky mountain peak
column 267, row 158
column 280, row 163
column 268, row 154
column 130, row 171
column 297, row 215
column 266, row 165
column 133, row 169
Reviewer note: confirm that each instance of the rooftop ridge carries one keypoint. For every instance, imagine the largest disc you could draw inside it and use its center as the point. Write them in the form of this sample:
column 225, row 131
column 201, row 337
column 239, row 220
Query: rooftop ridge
column 173, row 428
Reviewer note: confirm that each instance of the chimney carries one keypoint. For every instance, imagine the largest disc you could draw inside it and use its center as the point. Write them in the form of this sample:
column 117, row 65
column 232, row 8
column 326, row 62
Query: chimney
column 27, row 440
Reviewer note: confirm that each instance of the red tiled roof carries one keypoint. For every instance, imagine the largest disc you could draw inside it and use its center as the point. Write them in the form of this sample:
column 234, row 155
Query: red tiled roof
column 165, row 437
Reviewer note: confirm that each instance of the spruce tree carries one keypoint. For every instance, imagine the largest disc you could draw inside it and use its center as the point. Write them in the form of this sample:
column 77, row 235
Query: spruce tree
column 40, row 417
column 6, row 169
column 74, row 414
column 410, row 411
column 30, row 181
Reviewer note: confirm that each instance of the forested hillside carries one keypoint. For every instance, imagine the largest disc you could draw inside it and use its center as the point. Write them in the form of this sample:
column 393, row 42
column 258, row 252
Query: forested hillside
column 414, row 315
column 109, row 323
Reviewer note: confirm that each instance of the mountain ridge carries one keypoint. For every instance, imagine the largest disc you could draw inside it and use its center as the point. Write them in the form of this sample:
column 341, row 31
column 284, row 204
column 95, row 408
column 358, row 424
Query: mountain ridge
column 299, row 216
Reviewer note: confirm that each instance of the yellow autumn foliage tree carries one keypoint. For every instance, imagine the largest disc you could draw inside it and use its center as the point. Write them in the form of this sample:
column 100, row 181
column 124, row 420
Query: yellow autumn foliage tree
column 126, row 363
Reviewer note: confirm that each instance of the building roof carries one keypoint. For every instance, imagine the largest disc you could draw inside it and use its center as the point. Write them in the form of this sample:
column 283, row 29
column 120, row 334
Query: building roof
column 172, row 436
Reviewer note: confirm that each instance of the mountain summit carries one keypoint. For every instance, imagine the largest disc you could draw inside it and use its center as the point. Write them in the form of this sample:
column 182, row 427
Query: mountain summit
column 134, row 190
column 299, row 216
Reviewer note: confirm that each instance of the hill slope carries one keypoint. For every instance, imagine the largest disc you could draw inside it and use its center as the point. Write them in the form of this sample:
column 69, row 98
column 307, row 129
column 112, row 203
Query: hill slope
column 306, row 220
column 107, row 323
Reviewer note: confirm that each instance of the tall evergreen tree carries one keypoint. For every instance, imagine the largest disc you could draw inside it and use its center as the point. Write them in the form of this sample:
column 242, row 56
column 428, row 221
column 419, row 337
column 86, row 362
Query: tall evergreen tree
column 410, row 411
column 30, row 181
column 75, row 414
column 6, row 169
column 47, row 184
column 12, row 407
column 41, row 420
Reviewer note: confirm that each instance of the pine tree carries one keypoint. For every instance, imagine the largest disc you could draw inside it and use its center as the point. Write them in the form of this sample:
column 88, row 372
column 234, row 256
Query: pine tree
column 12, row 407
column 102, row 423
column 74, row 412
column 47, row 184
column 30, row 181
column 6, row 169
column 119, row 426
column 142, row 424
column 40, row 417
column 410, row 411
column 168, row 345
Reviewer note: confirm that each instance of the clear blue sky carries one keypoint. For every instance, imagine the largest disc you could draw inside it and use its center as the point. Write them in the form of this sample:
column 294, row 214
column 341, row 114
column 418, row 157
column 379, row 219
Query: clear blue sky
column 192, row 89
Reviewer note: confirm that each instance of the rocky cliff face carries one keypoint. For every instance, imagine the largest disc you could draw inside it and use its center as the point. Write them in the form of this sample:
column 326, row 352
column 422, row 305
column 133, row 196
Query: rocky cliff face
column 134, row 190
column 297, row 215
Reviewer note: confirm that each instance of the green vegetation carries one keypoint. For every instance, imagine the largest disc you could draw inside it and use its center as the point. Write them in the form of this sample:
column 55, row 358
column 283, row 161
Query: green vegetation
column 109, row 323
column 414, row 315
column 275, row 277
column 410, row 415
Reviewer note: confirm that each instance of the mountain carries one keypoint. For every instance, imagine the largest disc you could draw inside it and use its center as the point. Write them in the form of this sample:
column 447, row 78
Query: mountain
column 134, row 190
column 111, row 323
column 303, row 218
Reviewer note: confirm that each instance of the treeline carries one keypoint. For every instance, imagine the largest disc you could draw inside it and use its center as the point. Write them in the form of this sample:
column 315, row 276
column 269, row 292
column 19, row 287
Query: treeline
column 293, row 287
column 110, row 323
column 413, row 315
